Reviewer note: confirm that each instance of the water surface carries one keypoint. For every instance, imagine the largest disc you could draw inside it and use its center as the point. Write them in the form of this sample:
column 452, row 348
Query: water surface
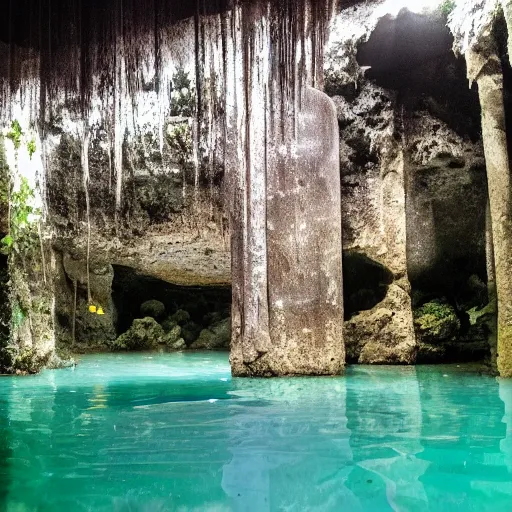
column 159, row 432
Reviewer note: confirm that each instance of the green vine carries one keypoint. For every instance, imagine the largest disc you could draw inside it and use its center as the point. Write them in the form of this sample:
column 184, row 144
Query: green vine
column 22, row 234
column 31, row 147
column 447, row 7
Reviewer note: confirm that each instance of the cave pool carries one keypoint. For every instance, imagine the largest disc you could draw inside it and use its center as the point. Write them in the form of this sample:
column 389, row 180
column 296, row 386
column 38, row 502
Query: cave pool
column 174, row 432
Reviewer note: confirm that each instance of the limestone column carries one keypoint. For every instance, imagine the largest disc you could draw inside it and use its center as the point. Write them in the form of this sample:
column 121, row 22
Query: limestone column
column 484, row 67
column 282, row 166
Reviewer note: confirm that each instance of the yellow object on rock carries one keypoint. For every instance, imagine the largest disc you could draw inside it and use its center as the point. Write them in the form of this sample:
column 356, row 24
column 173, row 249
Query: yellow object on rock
column 92, row 308
column 100, row 311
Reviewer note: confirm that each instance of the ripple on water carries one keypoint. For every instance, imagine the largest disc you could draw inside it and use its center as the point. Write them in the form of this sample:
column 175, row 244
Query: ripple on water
column 174, row 432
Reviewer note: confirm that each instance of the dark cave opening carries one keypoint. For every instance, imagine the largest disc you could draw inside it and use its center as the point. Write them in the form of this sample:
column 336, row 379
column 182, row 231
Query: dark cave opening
column 365, row 283
column 412, row 54
column 204, row 306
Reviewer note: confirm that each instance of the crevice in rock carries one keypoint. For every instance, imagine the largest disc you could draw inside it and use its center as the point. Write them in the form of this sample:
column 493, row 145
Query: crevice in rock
column 365, row 283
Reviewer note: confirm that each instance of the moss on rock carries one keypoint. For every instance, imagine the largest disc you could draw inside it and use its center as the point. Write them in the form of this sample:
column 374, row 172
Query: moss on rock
column 153, row 308
column 435, row 322
column 144, row 334
column 217, row 336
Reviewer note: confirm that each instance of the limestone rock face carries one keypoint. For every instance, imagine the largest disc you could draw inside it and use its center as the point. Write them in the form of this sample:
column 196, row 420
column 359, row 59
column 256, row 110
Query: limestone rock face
column 412, row 175
column 383, row 334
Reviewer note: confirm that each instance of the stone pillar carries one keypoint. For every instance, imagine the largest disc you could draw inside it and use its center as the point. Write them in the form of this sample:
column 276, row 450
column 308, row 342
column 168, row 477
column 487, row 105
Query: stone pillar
column 485, row 68
column 302, row 249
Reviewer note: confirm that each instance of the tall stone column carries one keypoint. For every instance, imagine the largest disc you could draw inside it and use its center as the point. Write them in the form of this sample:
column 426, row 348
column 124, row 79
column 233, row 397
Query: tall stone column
column 302, row 241
column 484, row 67
column 285, row 211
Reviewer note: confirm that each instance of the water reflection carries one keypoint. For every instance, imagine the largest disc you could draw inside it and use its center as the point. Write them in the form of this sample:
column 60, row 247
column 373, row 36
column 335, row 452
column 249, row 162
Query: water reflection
column 385, row 417
column 177, row 433
column 461, row 435
column 5, row 447
column 292, row 452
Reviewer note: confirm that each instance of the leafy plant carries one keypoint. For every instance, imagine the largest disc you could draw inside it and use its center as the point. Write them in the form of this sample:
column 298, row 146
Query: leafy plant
column 31, row 147
column 22, row 234
column 447, row 7
column 183, row 101
column 15, row 134
column 180, row 140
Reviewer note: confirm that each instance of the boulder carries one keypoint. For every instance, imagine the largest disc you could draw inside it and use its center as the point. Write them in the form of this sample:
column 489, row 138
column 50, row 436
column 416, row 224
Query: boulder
column 152, row 308
column 173, row 337
column 144, row 334
column 190, row 332
column 217, row 336
column 181, row 317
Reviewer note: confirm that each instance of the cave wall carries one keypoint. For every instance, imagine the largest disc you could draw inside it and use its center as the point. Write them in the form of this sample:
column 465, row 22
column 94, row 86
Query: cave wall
column 413, row 182
column 147, row 191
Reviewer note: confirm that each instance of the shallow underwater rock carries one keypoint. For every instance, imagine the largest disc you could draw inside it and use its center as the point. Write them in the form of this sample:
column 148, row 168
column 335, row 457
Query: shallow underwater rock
column 57, row 362
column 217, row 336
column 153, row 308
column 144, row 334
column 435, row 321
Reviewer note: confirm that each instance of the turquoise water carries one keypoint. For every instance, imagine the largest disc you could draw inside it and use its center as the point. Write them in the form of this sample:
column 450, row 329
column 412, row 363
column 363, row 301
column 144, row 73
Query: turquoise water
column 175, row 432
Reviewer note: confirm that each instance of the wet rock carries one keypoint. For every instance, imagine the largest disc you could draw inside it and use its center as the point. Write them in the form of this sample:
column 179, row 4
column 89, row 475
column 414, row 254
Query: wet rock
column 190, row 332
column 59, row 361
column 181, row 317
column 144, row 334
column 173, row 337
column 383, row 334
column 217, row 336
column 435, row 322
column 153, row 308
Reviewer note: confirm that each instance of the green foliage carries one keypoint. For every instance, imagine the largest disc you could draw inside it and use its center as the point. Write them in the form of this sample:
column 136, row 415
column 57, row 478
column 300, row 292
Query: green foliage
column 183, row 102
column 15, row 134
column 22, row 236
column 435, row 308
column 180, row 140
column 436, row 321
column 447, row 7
column 31, row 147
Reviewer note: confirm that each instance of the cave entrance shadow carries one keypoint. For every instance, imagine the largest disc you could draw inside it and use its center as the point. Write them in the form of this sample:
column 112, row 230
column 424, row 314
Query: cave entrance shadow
column 365, row 283
column 130, row 289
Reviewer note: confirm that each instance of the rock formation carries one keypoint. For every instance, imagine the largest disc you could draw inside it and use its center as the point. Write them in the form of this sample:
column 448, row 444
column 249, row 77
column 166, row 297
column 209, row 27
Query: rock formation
column 160, row 153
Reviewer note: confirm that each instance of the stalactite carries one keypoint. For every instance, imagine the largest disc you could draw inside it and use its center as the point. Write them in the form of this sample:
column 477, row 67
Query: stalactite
column 85, row 172
column 252, row 65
